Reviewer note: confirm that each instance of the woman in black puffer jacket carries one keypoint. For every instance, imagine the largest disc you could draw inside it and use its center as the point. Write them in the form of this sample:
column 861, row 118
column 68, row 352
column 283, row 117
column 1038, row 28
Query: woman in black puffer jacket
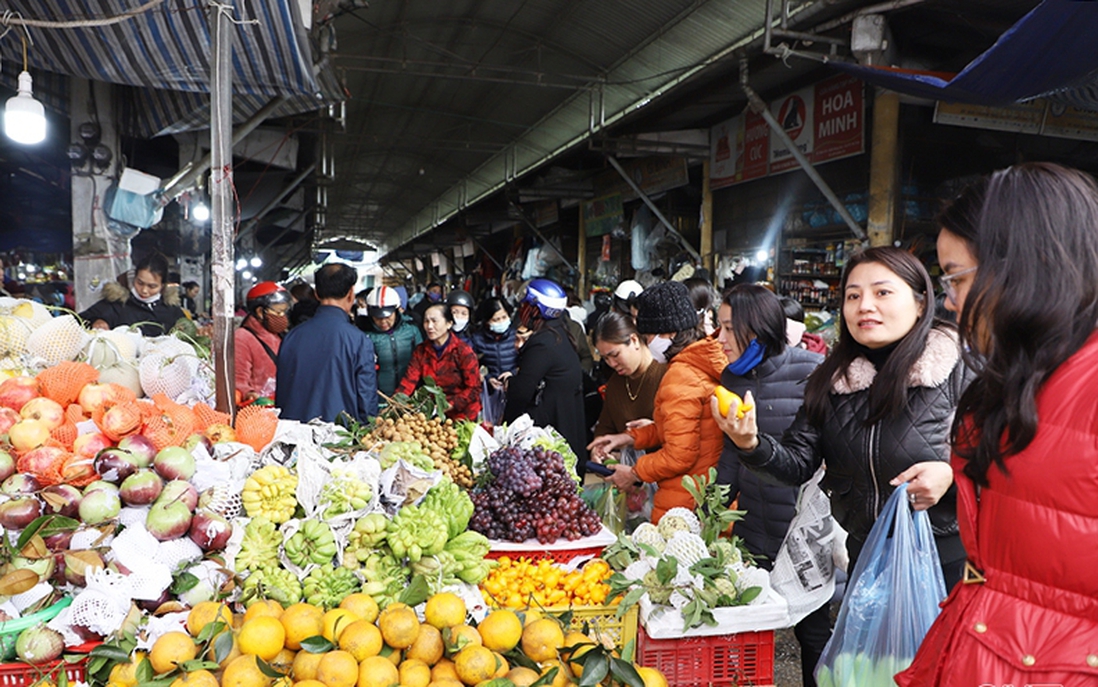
column 878, row 411
column 752, row 330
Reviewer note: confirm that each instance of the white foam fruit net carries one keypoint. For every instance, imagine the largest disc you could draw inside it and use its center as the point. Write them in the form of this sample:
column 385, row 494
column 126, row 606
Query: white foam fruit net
column 223, row 500
column 104, row 603
column 60, row 339
column 166, row 374
column 14, row 332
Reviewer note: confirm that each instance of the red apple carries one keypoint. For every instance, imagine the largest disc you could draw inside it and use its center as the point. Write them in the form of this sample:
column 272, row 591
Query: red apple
column 89, row 445
column 93, row 396
column 28, row 434
column 141, row 488
column 141, row 447
column 44, row 409
column 41, row 461
column 8, row 417
column 209, row 530
column 174, row 462
column 15, row 392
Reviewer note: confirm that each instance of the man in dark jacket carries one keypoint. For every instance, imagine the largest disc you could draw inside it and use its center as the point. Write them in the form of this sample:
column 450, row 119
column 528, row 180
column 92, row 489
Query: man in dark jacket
column 326, row 365
column 394, row 335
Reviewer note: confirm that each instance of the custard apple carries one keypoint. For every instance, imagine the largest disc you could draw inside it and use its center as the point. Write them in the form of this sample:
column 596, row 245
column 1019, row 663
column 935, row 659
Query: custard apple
column 726, row 551
column 648, row 534
column 726, row 587
column 687, row 549
column 679, row 519
column 657, row 593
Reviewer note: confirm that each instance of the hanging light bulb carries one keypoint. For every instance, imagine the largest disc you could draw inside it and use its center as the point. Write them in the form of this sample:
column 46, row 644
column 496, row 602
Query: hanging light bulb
column 241, row 263
column 247, row 274
column 200, row 212
column 24, row 117
column 257, row 262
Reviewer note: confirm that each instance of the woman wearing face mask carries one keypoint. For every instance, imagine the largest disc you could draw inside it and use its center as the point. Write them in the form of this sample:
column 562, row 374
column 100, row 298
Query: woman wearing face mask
column 449, row 361
column 689, row 439
column 877, row 411
column 143, row 303
column 394, row 334
column 494, row 341
column 258, row 339
column 549, row 383
column 461, row 305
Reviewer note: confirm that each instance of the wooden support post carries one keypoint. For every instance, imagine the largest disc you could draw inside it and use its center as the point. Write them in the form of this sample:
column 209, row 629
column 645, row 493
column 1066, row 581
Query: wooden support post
column 581, row 259
column 221, row 205
column 706, row 227
column 884, row 168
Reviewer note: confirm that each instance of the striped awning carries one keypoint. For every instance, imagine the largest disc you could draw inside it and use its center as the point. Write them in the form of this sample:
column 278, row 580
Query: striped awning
column 164, row 53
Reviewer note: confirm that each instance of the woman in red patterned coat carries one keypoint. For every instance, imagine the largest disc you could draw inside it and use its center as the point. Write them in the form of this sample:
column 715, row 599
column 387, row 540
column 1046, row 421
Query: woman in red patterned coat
column 448, row 360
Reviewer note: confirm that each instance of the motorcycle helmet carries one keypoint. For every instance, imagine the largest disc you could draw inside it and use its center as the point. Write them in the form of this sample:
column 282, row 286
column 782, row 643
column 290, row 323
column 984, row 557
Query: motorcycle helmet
column 265, row 294
column 382, row 302
column 626, row 294
column 461, row 298
column 547, row 296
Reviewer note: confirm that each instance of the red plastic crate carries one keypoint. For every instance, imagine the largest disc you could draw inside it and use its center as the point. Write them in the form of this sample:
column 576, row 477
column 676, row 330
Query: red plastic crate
column 721, row 661
column 23, row 675
column 563, row 556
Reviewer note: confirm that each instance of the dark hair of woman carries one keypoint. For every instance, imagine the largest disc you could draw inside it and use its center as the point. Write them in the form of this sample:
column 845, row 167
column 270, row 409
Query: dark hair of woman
column 792, row 308
column 961, row 214
column 684, row 339
column 615, row 328
column 489, row 307
column 756, row 312
column 702, row 294
column 888, row 394
column 1033, row 304
column 447, row 314
column 154, row 263
column 530, row 317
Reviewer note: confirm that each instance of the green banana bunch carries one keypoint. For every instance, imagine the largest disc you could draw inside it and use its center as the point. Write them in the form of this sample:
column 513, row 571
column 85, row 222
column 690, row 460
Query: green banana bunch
column 343, row 493
column 453, row 503
column 259, row 547
column 327, row 585
column 416, row 532
column 313, row 543
column 271, row 582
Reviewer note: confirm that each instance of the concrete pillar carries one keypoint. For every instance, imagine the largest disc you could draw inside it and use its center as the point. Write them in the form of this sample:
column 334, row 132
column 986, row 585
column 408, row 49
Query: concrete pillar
column 99, row 255
column 884, row 168
column 581, row 257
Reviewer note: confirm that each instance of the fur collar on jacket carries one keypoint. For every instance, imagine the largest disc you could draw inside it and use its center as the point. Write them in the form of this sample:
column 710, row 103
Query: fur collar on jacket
column 933, row 367
column 116, row 293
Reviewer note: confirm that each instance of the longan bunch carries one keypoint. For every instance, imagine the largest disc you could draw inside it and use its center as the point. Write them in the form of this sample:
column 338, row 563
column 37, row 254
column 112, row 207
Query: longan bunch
column 437, row 436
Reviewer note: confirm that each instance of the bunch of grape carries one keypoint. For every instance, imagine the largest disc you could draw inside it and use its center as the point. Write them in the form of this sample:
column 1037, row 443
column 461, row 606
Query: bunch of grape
column 438, row 437
column 530, row 494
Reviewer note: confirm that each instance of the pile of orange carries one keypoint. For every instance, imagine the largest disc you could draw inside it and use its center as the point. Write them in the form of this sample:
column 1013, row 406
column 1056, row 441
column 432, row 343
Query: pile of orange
column 521, row 583
column 366, row 647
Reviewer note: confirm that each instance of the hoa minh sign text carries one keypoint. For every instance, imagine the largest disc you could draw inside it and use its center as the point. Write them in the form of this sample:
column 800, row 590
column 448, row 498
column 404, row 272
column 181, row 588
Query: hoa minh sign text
column 826, row 121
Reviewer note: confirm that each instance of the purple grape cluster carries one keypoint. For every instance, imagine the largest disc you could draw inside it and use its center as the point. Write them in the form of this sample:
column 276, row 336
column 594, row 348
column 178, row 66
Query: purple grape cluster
column 531, row 496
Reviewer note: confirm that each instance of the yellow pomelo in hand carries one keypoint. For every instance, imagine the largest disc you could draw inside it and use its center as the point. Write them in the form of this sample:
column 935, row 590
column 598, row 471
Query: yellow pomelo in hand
column 171, row 649
column 263, row 637
column 541, row 639
column 444, row 610
column 724, row 402
column 377, row 671
column 337, row 669
column 399, row 627
column 361, row 639
column 501, row 630
column 301, row 621
column 362, row 605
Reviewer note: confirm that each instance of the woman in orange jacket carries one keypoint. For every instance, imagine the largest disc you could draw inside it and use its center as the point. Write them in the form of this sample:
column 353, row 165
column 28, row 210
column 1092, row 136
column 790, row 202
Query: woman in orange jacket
column 682, row 424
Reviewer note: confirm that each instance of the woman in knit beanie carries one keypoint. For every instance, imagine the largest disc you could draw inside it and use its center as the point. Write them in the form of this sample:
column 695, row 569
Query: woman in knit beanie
column 682, row 425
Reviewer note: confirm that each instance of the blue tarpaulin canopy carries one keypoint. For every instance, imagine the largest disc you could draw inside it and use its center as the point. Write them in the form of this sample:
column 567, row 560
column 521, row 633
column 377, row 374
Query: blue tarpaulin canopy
column 1052, row 52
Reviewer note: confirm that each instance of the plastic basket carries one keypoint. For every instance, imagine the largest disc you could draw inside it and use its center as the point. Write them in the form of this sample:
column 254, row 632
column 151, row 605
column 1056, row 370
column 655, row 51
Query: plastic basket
column 555, row 555
column 718, row 661
column 22, row 674
column 9, row 631
column 603, row 623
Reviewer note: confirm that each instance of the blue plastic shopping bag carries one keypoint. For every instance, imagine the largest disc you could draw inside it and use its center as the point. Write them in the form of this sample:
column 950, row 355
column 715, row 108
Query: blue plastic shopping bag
column 890, row 603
